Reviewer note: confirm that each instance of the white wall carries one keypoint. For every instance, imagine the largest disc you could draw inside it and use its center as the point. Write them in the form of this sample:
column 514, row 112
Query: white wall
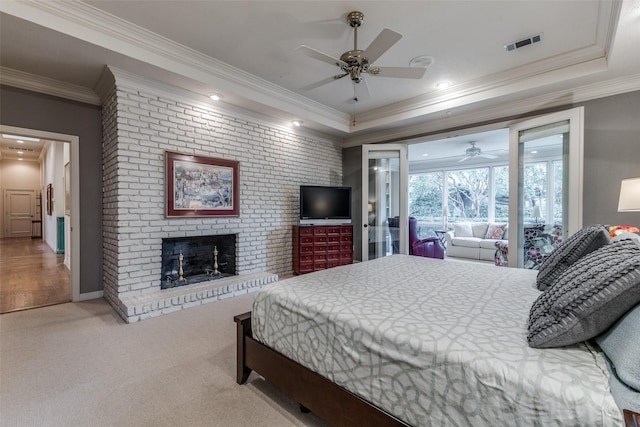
column 52, row 174
column 17, row 175
column 67, row 218
column 140, row 127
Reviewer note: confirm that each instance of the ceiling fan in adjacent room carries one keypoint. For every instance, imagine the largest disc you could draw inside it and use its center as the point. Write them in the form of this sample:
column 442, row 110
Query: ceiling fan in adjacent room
column 355, row 63
column 474, row 151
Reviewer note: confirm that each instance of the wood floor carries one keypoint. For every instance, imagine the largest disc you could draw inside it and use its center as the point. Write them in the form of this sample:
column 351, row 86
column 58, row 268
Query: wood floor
column 31, row 275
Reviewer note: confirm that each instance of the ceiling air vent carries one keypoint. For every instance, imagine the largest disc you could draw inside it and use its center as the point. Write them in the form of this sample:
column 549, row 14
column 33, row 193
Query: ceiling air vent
column 522, row 43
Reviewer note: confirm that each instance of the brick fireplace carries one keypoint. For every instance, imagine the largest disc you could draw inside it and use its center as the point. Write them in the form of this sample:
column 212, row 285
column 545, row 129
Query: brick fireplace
column 142, row 120
column 190, row 260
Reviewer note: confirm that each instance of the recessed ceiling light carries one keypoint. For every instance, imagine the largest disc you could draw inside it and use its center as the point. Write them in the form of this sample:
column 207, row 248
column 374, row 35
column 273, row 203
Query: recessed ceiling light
column 215, row 96
column 296, row 123
column 20, row 139
column 425, row 154
column 443, row 84
column 534, row 152
column 422, row 61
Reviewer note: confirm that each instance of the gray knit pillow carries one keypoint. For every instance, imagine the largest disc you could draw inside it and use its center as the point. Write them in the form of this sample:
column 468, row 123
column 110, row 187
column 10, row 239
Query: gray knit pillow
column 588, row 297
column 571, row 250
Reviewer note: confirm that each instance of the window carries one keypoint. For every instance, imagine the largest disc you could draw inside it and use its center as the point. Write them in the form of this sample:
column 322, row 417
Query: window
column 535, row 192
column 501, row 195
column 425, row 196
column 557, row 190
column 468, row 194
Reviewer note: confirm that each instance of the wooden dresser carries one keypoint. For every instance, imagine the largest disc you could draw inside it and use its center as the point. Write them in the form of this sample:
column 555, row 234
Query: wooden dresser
column 318, row 247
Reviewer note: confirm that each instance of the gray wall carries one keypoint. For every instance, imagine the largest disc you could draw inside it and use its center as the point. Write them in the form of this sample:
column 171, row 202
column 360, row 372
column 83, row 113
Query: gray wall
column 352, row 177
column 31, row 110
column 611, row 153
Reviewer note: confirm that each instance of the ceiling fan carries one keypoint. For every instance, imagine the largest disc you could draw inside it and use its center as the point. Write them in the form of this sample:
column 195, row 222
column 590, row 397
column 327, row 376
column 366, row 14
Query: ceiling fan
column 474, row 151
column 354, row 63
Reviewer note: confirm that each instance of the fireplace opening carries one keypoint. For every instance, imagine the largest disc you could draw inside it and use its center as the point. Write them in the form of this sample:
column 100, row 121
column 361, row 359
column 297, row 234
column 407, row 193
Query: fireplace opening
column 189, row 260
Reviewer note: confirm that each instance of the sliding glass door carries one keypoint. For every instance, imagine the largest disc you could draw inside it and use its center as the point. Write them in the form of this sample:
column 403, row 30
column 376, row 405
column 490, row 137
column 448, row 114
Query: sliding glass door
column 545, row 184
column 384, row 202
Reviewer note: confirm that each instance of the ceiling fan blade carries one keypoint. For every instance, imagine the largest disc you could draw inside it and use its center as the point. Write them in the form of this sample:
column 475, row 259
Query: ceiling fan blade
column 464, row 158
column 316, row 54
column 399, row 72
column 488, row 156
column 381, row 44
column 323, row 82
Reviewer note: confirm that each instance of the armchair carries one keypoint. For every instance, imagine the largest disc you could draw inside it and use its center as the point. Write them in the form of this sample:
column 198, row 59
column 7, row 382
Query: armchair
column 430, row 247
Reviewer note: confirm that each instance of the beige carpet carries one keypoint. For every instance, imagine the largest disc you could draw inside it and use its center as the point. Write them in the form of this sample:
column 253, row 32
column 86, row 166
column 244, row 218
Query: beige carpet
column 79, row 364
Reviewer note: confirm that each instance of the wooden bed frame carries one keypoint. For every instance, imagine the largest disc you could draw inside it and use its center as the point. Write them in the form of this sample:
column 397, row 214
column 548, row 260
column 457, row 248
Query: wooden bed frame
column 313, row 392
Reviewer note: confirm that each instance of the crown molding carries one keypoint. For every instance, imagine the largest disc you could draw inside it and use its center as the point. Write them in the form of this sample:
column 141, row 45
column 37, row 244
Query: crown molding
column 92, row 25
column 85, row 22
column 509, row 109
column 122, row 79
column 542, row 73
column 35, row 83
column 581, row 62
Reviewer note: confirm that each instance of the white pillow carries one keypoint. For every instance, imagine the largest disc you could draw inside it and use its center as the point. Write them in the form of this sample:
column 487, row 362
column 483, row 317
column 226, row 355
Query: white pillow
column 463, row 229
column 479, row 229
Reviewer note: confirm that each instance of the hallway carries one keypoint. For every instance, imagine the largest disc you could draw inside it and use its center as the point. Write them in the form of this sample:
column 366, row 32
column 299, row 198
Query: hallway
column 31, row 275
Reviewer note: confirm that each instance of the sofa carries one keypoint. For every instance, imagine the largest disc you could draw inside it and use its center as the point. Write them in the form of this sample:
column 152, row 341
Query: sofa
column 474, row 240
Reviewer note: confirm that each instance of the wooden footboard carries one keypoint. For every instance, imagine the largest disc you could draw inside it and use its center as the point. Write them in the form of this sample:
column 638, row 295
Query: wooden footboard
column 329, row 401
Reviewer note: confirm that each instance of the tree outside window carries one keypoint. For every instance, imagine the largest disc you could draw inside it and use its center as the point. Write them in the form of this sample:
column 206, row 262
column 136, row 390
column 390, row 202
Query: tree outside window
column 535, row 191
column 468, row 194
column 501, row 177
column 557, row 189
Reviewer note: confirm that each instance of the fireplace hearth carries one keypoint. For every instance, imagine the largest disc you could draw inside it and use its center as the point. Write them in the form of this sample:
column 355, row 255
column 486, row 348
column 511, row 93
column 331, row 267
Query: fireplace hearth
column 189, row 260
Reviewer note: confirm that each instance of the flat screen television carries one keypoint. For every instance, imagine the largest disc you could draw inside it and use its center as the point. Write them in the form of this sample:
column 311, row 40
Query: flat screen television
column 325, row 205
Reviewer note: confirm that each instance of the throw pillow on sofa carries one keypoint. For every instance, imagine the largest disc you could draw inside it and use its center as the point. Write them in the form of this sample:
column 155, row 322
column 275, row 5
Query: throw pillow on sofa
column 568, row 252
column 495, row 231
column 588, row 297
column 463, row 229
column 479, row 229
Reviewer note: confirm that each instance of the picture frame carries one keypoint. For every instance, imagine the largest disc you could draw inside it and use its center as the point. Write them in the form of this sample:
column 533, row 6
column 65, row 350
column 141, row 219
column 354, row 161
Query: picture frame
column 50, row 199
column 67, row 188
column 198, row 186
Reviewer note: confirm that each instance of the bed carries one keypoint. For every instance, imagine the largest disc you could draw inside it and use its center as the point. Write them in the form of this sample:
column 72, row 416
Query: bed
column 407, row 340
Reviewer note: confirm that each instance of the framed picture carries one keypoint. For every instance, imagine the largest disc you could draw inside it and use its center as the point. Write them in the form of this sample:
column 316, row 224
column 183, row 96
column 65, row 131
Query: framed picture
column 201, row 186
column 49, row 199
column 67, row 189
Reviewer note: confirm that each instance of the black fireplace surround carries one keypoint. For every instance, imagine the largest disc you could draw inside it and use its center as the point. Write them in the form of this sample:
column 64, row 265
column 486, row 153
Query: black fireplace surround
column 198, row 259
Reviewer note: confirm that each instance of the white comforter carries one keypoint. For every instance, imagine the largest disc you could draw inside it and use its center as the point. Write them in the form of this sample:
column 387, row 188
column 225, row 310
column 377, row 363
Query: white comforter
column 435, row 343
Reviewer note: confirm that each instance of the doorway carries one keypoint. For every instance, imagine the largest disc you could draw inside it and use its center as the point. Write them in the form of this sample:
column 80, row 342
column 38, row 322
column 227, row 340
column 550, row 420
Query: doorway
column 31, row 266
column 384, row 189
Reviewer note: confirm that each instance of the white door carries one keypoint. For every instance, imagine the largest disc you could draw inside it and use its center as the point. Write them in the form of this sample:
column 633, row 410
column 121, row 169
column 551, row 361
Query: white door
column 385, row 175
column 557, row 200
column 20, row 211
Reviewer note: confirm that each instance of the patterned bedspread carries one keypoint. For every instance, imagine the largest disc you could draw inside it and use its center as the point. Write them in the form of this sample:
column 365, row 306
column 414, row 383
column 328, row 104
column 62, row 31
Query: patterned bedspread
column 435, row 343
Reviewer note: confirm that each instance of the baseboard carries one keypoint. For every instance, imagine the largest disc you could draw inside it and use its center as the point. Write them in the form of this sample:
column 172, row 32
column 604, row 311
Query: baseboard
column 91, row 295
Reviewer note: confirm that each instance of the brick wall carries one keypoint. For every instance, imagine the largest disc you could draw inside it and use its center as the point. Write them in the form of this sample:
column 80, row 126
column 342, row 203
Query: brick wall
column 139, row 127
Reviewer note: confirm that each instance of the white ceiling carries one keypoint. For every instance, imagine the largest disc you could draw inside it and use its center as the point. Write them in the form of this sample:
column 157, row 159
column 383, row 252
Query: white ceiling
column 20, row 148
column 245, row 50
